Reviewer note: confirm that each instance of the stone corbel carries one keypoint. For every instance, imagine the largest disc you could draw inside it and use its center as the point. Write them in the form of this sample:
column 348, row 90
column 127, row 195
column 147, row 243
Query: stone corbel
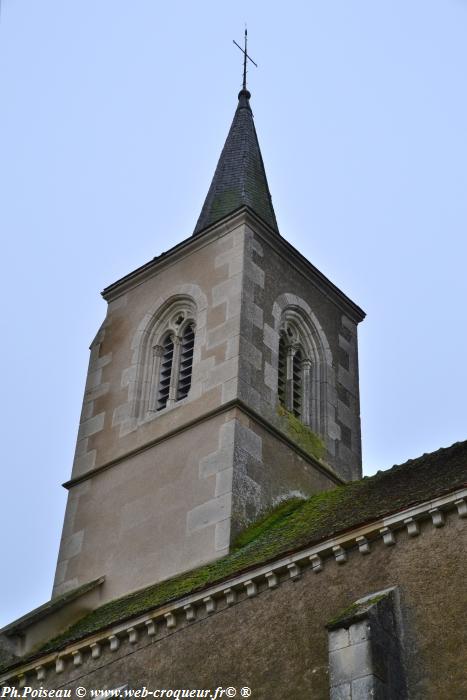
column 316, row 563
column 437, row 517
column 190, row 612
column 388, row 536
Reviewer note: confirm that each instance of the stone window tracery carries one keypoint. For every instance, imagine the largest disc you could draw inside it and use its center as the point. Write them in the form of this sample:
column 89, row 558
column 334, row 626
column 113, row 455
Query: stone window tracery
column 168, row 364
column 294, row 366
column 299, row 334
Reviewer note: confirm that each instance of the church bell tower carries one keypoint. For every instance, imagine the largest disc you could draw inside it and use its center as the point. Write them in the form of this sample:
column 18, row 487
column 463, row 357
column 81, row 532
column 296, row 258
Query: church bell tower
column 223, row 380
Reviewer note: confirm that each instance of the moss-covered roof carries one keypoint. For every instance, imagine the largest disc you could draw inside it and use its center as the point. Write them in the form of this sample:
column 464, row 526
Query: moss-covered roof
column 240, row 178
column 318, row 518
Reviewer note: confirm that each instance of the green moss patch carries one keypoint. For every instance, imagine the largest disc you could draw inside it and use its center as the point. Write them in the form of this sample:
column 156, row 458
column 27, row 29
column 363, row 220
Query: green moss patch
column 354, row 612
column 309, row 441
column 266, row 521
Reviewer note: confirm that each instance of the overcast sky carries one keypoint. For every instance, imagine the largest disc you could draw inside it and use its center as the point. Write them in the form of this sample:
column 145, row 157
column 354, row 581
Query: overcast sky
column 113, row 115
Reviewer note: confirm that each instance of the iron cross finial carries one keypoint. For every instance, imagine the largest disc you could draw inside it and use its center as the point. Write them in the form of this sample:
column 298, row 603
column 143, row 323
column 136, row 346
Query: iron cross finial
column 245, row 57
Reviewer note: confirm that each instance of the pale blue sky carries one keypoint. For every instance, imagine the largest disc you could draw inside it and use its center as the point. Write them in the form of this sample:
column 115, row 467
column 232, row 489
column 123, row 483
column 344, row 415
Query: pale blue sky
column 113, row 115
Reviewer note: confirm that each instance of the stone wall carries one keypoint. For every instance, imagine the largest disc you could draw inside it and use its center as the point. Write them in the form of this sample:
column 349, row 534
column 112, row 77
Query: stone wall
column 276, row 279
column 276, row 641
column 154, row 493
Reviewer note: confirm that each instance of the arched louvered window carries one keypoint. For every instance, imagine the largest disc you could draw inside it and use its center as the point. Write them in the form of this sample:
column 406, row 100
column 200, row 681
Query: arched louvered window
column 187, row 343
column 173, row 358
column 292, row 373
column 305, row 367
column 166, row 359
column 165, row 372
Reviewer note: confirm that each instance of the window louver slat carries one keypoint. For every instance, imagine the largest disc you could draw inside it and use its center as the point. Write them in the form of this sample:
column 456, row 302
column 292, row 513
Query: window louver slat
column 282, row 371
column 165, row 373
column 297, row 384
column 186, row 362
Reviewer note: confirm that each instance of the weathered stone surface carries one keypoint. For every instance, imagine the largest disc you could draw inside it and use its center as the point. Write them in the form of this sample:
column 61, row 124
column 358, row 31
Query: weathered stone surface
column 276, row 641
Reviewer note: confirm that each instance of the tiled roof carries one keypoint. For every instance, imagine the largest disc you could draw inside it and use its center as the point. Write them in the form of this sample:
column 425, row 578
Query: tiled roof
column 240, row 179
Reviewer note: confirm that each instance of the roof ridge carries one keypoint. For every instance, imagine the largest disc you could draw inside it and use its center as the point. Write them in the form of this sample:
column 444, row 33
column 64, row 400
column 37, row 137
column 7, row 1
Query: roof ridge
column 395, row 467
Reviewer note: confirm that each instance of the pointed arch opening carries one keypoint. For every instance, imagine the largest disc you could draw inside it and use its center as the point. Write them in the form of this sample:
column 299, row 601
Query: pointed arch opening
column 302, row 368
column 167, row 369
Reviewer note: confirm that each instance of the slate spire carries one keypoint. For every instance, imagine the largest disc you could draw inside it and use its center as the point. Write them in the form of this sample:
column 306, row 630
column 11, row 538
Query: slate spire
column 240, row 179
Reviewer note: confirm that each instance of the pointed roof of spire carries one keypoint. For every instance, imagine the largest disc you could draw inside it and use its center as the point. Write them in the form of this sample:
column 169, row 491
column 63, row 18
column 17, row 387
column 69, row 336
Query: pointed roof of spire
column 240, row 179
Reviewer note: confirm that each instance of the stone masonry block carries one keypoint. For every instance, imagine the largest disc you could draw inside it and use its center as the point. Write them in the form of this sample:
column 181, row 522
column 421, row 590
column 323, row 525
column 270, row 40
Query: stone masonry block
column 234, row 306
column 253, row 243
column 71, row 546
column 100, row 390
column 121, row 414
column 100, row 362
column 87, row 410
column 85, row 462
column 255, row 273
column 270, row 337
column 128, row 375
column 248, row 394
column 220, row 334
column 368, row 687
column 233, row 347
column 359, row 632
column 224, row 482
column 226, row 258
column 251, row 354
column 255, row 314
column 230, row 390
column 91, row 426
column 204, row 368
column 227, row 433
column 222, row 536
column 250, row 441
column 235, row 264
column 341, row 692
column 346, row 379
column 350, row 662
column 270, row 376
column 222, row 457
column 345, row 415
column 60, row 573
column 222, row 373
column 338, row 639
column 349, row 324
column 226, row 290
column 216, row 462
column 209, row 513
column 71, row 510
column 81, row 447
column 94, row 378
column 345, row 345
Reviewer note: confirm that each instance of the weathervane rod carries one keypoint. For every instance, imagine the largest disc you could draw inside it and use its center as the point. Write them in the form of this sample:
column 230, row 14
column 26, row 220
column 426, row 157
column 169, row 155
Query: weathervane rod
column 245, row 57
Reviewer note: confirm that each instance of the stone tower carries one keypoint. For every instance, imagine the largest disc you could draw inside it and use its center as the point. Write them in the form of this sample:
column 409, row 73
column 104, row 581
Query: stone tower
column 223, row 380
